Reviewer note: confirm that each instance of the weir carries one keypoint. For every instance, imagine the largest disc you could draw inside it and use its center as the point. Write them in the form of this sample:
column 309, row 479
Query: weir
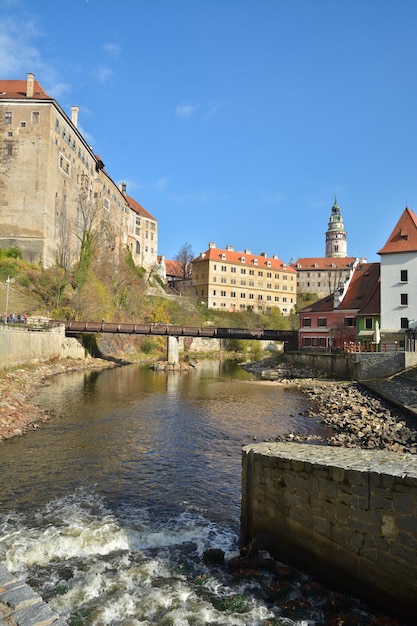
column 347, row 515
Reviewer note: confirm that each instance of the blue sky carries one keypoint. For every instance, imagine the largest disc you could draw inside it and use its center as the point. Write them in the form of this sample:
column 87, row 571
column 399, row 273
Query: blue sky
column 237, row 121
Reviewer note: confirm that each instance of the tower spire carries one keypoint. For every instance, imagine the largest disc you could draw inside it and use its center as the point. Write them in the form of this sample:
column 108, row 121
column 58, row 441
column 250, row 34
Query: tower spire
column 336, row 236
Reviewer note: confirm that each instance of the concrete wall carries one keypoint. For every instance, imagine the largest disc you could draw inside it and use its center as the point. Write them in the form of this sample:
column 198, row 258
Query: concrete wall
column 23, row 346
column 348, row 516
column 356, row 365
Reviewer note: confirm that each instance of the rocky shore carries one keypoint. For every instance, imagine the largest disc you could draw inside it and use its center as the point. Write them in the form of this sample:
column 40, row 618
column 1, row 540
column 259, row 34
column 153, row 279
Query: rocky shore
column 356, row 416
column 18, row 386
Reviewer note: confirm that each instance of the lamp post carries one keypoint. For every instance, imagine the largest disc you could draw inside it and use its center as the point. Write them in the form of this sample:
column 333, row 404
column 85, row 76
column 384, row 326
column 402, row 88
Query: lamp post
column 7, row 296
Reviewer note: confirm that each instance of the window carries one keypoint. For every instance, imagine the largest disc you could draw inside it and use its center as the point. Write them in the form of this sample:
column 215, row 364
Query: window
column 349, row 321
column 322, row 342
column 368, row 323
column 404, row 299
column 223, row 293
column 306, row 341
column 404, row 322
column 22, row 124
column 306, row 321
column 137, row 247
column 322, row 321
column 260, row 273
column 35, row 118
column 9, row 149
column 223, row 268
column 8, row 117
column 243, row 295
column 223, row 280
column 260, row 297
column 251, row 273
column 233, row 294
column 404, row 276
column 233, row 270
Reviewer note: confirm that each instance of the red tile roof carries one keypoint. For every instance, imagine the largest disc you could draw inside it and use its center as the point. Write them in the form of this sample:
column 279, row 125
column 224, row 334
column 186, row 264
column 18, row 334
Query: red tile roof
column 135, row 206
column 362, row 294
column 361, row 287
column 244, row 258
column 17, row 89
column 404, row 236
column 173, row 268
column 323, row 263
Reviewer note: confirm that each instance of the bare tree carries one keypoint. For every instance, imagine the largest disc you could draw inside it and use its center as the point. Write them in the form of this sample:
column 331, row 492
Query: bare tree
column 185, row 256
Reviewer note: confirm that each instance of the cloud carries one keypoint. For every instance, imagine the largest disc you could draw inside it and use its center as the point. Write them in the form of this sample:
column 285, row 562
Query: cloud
column 273, row 198
column 102, row 74
column 158, row 185
column 186, row 110
column 112, row 50
column 17, row 54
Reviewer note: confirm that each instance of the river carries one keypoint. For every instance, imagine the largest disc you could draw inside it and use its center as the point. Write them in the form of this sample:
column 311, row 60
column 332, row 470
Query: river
column 108, row 507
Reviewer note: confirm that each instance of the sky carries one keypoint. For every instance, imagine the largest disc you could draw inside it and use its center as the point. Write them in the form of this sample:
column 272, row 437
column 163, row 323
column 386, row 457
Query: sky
column 237, row 121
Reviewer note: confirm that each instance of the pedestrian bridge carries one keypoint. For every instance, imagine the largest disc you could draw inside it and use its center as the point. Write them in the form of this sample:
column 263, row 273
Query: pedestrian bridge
column 209, row 332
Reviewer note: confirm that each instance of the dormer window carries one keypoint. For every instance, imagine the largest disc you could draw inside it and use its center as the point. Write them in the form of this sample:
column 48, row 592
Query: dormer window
column 223, row 256
column 268, row 263
column 255, row 261
column 242, row 259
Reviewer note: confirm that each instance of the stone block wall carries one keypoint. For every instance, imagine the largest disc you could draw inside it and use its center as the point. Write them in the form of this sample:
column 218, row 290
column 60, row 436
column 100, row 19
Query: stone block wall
column 348, row 516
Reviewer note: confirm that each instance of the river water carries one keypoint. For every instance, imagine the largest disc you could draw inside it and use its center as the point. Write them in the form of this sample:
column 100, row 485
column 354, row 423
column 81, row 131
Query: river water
column 108, row 507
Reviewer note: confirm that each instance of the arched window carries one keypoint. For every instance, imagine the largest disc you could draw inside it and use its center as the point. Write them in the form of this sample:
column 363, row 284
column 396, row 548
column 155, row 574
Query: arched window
column 137, row 247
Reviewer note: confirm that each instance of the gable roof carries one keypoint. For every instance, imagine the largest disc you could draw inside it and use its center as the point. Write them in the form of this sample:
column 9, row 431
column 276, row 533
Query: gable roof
column 173, row 268
column 404, row 236
column 244, row 258
column 15, row 89
column 138, row 208
column 323, row 263
column 361, row 295
column 361, row 287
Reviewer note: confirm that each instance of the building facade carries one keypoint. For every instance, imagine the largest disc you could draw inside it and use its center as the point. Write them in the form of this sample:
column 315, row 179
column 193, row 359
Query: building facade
column 323, row 276
column 53, row 186
column 234, row 281
column 399, row 283
column 346, row 317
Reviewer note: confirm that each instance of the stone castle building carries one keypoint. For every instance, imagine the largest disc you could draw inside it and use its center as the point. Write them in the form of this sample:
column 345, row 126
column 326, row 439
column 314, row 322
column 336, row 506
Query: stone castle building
column 323, row 276
column 234, row 281
column 53, row 186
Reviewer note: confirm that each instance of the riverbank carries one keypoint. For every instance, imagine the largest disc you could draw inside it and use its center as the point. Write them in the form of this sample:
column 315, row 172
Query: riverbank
column 358, row 418
column 18, row 386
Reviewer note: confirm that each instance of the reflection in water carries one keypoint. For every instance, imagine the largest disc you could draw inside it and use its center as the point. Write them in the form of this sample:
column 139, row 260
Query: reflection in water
column 108, row 507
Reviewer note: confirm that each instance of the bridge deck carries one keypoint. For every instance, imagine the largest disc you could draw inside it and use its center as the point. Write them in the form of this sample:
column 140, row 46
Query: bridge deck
column 75, row 328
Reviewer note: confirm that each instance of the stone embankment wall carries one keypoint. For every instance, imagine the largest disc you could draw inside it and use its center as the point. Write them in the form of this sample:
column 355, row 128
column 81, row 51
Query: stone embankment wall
column 347, row 515
column 356, row 366
column 19, row 346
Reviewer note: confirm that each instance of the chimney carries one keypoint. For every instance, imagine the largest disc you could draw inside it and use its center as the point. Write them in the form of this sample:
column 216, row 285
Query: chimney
column 74, row 116
column 29, row 85
column 212, row 244
column 124, row 187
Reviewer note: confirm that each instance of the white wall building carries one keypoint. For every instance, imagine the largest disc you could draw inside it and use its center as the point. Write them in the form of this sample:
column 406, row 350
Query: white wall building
column 399, row 282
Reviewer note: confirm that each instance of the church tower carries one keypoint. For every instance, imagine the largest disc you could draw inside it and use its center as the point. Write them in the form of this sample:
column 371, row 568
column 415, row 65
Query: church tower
column 336, row 236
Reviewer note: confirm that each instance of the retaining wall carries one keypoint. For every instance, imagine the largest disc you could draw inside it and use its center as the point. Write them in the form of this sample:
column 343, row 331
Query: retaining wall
column 356, row 365
column 19, row 346
column 349, row 516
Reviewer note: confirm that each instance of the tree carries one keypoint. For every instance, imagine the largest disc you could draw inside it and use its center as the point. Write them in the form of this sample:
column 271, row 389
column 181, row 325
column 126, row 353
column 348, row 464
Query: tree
column 185, row 256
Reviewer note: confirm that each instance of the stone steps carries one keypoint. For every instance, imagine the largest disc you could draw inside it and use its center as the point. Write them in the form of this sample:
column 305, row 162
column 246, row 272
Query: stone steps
column 21, row 606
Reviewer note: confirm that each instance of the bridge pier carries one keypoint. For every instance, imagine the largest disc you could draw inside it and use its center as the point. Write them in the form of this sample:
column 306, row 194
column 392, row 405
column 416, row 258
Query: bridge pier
column 172, row 349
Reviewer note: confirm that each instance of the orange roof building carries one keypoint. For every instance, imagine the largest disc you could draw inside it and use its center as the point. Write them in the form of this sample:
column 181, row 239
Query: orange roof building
column 323, row 276
column 399, row 282
column 235, row 281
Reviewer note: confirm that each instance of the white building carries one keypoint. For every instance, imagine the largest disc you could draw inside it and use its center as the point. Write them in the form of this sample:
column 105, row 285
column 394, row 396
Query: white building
column 399, row 282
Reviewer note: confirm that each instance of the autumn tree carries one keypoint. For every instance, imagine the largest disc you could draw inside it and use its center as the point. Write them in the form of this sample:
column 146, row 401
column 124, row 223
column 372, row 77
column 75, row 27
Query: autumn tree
column 185, row 256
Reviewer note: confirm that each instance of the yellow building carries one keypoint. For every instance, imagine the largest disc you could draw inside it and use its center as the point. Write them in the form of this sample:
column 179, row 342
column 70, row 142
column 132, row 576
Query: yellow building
column 53, row 186
column 235, row 281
